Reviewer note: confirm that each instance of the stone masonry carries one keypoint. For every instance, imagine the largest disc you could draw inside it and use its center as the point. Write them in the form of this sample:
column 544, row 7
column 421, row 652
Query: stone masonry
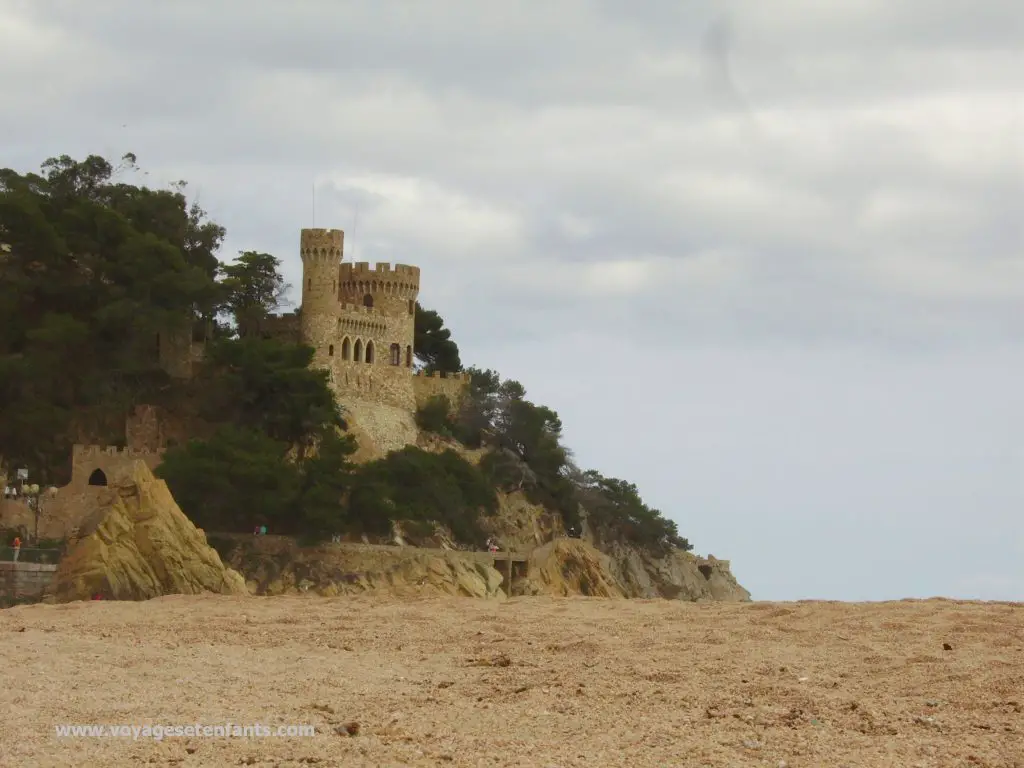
column 360, row 320
column 94, row 469
column 20, row 581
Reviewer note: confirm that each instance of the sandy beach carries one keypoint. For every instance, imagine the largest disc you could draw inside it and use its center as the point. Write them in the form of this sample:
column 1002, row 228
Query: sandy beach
column 528, row 682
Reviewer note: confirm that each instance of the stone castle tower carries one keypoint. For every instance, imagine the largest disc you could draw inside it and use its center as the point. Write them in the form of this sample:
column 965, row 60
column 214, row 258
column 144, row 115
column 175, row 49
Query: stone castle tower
column 360, row 320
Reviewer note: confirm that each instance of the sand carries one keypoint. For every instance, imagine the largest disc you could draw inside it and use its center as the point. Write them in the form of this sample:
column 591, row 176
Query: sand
column 529, row 682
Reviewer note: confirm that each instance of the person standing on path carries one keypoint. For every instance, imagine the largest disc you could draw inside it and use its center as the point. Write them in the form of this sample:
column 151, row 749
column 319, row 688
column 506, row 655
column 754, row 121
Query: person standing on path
column 17, row 547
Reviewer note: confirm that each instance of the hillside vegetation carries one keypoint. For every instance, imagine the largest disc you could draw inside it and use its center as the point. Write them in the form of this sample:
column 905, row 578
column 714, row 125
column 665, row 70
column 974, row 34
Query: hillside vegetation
column 94, row 269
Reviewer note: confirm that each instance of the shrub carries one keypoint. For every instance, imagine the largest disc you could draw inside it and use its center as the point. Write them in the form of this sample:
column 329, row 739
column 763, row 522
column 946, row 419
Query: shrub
column 434, row 416
column 506, row 471
column 413, row 484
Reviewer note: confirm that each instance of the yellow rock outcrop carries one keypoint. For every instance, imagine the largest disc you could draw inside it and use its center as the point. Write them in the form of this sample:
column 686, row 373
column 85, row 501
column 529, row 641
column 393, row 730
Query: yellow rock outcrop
column 569, row 567
column 140, row 545
column 278, row 566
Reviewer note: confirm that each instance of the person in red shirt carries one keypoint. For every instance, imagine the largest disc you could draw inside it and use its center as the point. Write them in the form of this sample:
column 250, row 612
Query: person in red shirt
column 17, row 547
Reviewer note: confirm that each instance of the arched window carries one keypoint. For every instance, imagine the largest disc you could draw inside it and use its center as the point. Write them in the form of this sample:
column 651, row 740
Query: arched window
column 357, row 355
column 368, row 301
column 98, row 477
column 396, row 354
column 346, row 349
column 309, row 284
column 330, row 351
column 408, row 356
column 369, row 351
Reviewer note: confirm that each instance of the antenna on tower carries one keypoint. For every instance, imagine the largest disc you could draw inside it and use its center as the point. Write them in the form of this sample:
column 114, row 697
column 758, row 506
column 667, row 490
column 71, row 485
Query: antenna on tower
column 314, row 203
column 352, row 250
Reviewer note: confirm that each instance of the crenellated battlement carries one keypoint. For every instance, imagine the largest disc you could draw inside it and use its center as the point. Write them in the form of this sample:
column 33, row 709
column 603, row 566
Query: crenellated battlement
column 440, row 375
column 360, row 318
column 315, row 240
column 397, row 281
column 98, row 451
column 362, row 270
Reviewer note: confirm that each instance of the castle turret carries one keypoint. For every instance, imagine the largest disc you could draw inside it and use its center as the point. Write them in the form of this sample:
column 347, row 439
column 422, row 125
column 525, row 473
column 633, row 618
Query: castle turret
column 321, row 251
column 361, row 321
column 391, row 293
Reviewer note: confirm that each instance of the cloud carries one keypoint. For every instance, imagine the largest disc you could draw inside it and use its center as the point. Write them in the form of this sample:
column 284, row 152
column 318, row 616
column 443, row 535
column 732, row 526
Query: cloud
column 746, row 229
column 447, row 223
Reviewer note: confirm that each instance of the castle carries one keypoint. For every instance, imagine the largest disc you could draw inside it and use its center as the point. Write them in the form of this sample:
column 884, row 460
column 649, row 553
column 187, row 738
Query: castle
column 93, row 469
column 360, row 321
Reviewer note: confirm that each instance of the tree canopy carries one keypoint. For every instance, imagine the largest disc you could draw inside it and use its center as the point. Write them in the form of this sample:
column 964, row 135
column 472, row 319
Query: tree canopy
column 94, row 271
column 91, row 270
column 432, row 343
column 254, row 289
column 525, row 453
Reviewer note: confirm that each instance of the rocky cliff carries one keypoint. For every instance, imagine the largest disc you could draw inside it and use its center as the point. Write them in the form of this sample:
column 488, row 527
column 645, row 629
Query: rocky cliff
column 677, row 575
column 522, row 526
column 569, row 567
column 140, row 545
column 274, row 565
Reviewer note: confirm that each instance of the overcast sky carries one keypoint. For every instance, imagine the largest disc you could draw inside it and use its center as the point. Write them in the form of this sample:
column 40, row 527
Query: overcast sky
column 763, row 258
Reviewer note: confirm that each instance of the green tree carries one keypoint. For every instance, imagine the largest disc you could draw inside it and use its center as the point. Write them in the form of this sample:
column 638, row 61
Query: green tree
column 267, row 385
column 91, row 271
column 432, row 343
column 254, row 288
column 240, row 478
column 616, row 510
column 479, row 407
column 416, row 485
column 233, row 481
column 326, row 478
column 435, row 416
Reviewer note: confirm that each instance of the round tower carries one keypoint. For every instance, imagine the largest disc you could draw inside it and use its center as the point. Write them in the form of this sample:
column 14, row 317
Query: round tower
column 321, row 251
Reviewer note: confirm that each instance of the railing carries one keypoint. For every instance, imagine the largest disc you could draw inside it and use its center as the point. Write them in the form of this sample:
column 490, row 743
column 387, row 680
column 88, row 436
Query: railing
column 30, row 555
column 501, row 554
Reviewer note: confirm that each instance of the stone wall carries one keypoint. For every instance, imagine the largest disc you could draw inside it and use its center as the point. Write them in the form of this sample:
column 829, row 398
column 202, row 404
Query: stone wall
column 144, row 429
column 103, row 465
column 19, row 581
column 370, row 357
column 321, row 251
column 364, row 337
column 451, row 385
column 379, row 429
column 285, row 328
column 93, row 469
column 177, row 353
column 375, row 384
column 59, row 514
column 401, row 282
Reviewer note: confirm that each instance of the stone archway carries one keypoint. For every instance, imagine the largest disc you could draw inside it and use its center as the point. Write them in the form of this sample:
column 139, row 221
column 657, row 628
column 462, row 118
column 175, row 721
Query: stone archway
column 98, row 477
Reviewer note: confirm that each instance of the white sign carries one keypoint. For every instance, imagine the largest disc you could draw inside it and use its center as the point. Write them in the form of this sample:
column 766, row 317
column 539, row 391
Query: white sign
column 23, row 474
